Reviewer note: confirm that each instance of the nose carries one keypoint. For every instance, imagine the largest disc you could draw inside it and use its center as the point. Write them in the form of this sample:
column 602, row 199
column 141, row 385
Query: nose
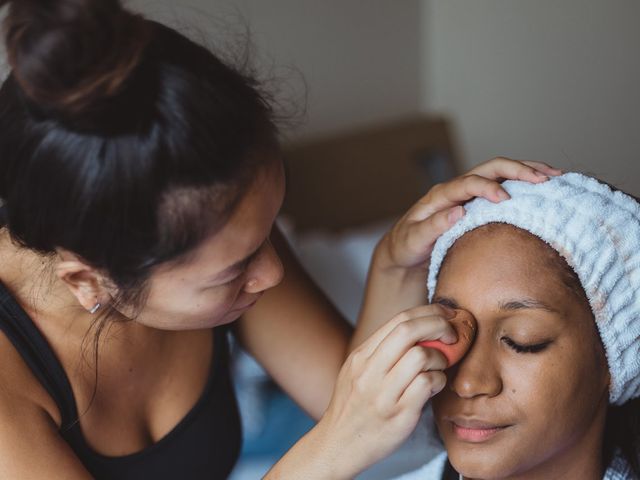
column 478, row 373
column 265, row 271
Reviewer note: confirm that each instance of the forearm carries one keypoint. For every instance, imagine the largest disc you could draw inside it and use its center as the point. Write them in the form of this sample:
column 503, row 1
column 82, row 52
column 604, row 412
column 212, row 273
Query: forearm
column 297, row 335
column 389, row 290
column 397, row 276
column 311, row 458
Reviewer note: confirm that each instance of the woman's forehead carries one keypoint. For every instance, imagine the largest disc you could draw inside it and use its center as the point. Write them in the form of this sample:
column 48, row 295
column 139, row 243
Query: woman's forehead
column 503, row 261
column 489, row 243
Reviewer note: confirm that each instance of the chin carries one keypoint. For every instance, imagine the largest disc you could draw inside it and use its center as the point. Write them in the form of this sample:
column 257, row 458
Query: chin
column 480, row 464
column 194, row 324
column 212, row 322
column 201, row 321
column 227, row 319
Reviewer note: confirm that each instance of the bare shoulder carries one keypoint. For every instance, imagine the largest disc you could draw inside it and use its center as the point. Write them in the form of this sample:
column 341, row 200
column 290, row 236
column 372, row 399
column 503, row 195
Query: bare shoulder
column 30, row 445
column 19, row 384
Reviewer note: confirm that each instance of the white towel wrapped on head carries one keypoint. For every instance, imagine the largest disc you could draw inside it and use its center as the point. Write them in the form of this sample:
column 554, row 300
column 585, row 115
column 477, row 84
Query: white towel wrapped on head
column 597, row 231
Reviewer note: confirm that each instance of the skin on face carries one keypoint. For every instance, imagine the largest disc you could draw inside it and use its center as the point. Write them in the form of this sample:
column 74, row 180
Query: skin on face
column 537, row 413
column 228, row 272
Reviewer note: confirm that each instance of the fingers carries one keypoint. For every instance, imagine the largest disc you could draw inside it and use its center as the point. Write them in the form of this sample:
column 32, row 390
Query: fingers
column 544, row 168
column 506, row 168
column 424, row 386
column 409, row 243
column 406, row 334
column 424, row 311
column 417, row 360
column 455, row 192
column 419, row 237
column 482, row 181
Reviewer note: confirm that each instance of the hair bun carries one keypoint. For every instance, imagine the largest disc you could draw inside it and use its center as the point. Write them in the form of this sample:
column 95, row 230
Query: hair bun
column 67, row 55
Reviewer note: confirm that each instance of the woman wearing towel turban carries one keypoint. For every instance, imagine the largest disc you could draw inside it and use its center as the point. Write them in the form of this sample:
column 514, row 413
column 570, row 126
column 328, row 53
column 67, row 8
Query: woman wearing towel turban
column 140, row 177
column 550, row 388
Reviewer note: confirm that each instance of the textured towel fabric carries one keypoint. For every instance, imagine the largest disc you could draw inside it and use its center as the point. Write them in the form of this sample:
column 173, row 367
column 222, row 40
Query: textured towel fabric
column 597, row 231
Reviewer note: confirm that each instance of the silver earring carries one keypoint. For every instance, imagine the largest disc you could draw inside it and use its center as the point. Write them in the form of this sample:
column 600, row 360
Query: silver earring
column 95, row 308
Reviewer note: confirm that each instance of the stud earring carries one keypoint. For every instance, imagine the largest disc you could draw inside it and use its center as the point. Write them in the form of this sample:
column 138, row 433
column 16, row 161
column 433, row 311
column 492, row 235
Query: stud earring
column 95, row 308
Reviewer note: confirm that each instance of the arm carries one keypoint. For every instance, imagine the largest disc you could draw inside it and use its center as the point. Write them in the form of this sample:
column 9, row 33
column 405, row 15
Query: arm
column 398, row 271
column 378, row 399
column 294, row 324
column 385, row 381
column 297, row 335
column 30, row 445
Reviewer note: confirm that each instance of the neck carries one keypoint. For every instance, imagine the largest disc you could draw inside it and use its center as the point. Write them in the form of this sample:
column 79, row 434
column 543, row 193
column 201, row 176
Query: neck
column 587, row 468
column 30, row 278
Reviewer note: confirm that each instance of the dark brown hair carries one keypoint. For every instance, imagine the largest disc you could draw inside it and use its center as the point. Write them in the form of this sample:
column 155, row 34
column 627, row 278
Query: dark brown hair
column 120, row 139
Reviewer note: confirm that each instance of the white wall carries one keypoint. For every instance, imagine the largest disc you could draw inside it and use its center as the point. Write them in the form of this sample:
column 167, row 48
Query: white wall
column 540, row 79
column 544, row 79
column 360, row 58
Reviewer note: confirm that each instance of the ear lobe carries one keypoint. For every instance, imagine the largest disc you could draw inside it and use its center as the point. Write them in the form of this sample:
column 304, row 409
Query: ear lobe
column 83, row 282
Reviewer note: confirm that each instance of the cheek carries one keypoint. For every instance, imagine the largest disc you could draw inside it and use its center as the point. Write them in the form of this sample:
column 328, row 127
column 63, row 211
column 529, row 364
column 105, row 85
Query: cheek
column 533, row 397
column 543, row 385
column 215, row 301
column 555, row 397
column 578, row 388
column 185, row 301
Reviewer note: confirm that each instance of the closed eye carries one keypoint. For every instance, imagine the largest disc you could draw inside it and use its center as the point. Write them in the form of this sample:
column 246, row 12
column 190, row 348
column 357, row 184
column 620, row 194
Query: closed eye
column 538, row 347
column 239, row 269
column 447, row 302
column 234, row 278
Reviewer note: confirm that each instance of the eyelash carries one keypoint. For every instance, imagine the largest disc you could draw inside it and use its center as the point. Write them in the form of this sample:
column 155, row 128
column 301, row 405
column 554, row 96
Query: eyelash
column 236, row 278
column 538, row 347
column 446, row 303
column 242, row 269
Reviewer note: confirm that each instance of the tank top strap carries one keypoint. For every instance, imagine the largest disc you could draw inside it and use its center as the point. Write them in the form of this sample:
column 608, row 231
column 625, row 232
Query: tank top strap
column 449, row 472
column 37, row 354
column 4, row 215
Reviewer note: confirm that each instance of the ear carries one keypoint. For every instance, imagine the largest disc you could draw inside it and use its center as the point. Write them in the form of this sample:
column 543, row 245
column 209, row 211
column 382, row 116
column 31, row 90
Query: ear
column 84, row 281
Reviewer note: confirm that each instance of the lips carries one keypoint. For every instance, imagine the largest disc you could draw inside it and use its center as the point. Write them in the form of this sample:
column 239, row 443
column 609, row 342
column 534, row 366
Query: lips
column 476, row 430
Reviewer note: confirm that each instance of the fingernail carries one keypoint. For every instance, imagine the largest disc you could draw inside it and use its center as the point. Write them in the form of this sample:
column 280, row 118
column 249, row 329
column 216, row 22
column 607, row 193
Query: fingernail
column 503, row 195
column 436, row 390
column 449, row 339
column 455, row 214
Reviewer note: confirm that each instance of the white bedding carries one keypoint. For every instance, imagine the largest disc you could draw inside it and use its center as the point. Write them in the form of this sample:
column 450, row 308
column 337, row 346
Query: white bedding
column 338, row 262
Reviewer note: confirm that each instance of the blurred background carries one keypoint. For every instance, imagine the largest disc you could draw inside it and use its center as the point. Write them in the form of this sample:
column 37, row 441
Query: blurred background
column 400, row 95
column 543, row 79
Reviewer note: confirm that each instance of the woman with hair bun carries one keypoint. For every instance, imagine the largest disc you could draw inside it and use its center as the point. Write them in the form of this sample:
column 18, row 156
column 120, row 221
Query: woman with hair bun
column 140, row 178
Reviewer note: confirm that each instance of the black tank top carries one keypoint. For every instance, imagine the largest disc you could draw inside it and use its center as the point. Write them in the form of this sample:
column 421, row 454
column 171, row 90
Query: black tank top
column 449, row 472
column 205, row 444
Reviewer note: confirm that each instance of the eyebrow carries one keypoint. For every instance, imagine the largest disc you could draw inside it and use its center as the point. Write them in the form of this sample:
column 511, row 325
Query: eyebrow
column 525, row 303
